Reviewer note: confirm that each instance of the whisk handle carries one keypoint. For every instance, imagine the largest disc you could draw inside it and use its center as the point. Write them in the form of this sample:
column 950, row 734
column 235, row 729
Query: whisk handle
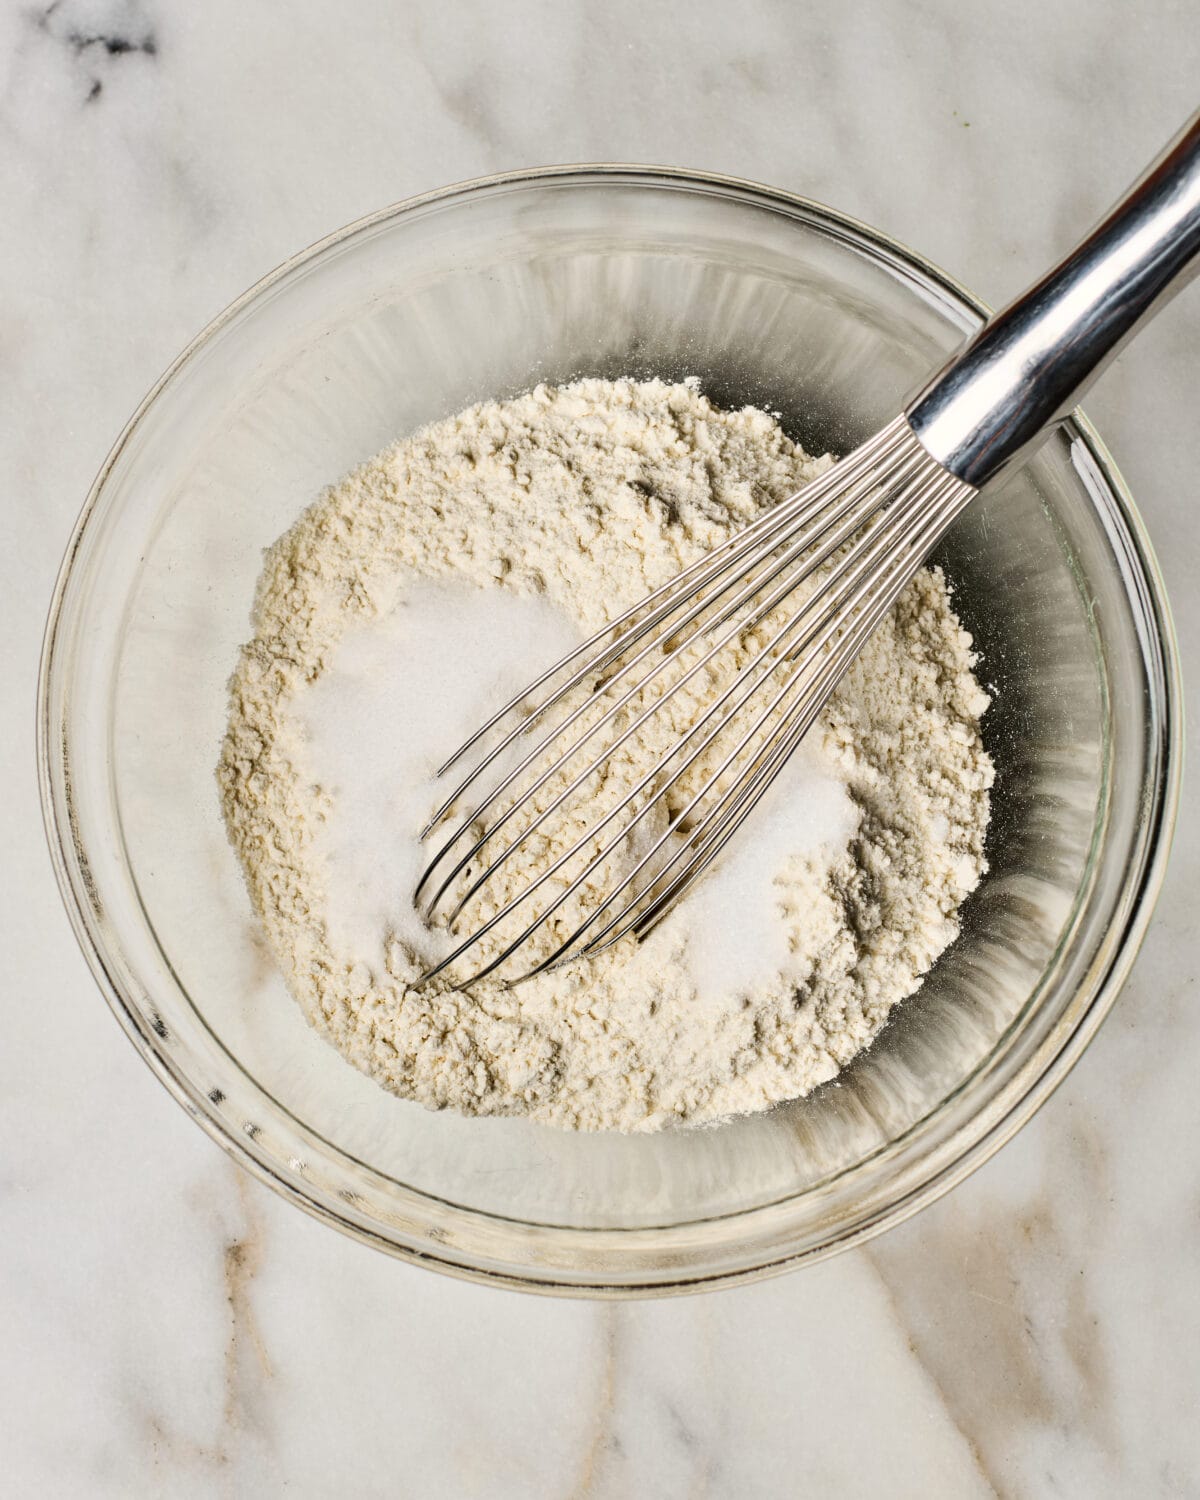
column 1028, row 365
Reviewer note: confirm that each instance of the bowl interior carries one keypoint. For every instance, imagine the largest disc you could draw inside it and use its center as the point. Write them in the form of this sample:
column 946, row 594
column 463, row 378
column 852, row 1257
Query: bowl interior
column 410, row 317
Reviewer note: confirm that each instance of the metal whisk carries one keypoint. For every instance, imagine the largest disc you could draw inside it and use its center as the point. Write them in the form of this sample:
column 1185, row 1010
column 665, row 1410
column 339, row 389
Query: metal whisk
column 790, row 602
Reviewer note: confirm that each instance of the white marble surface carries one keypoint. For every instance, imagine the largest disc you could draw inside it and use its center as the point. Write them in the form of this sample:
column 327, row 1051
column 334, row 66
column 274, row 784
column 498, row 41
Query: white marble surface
column 171, row 1327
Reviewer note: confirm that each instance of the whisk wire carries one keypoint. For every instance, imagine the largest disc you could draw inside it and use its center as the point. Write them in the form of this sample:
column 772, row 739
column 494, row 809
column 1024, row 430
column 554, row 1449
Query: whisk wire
column 873, row 518
column 745, row 684
column 745, row 680
column 784, row 565
column 858, row 504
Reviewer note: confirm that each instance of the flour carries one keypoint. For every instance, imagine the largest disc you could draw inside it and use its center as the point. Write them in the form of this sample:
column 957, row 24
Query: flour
column 414, row 596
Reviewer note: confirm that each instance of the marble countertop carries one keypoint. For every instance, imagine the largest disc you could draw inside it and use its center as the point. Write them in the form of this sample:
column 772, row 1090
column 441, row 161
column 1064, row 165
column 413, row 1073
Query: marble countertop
column 172, row 1327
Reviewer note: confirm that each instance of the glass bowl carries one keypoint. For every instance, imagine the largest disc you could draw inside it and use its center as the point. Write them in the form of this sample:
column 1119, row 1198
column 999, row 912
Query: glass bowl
column 482, row 290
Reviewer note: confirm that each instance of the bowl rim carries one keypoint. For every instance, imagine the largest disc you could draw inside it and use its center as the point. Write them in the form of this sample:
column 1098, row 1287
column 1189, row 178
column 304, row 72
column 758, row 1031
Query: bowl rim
column 976, row 1140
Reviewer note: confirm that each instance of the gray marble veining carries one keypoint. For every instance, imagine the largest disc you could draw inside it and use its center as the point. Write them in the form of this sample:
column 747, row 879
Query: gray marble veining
column 173, row 1328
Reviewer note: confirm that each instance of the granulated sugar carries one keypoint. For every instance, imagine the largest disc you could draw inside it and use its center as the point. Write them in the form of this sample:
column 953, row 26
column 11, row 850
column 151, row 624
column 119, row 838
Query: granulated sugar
column 429, row 585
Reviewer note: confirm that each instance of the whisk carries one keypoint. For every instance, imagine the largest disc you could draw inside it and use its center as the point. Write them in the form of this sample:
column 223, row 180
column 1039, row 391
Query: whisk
column 790, row 600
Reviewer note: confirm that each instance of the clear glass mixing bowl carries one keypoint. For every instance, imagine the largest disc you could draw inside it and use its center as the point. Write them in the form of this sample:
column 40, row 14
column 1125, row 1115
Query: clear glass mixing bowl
column 482, row 290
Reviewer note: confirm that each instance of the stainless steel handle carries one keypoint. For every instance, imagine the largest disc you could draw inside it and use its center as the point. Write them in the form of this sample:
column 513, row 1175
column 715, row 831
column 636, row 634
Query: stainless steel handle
column 1027, row 366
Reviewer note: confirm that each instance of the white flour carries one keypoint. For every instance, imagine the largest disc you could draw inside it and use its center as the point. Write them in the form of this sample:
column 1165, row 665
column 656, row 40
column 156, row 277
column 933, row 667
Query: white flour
column 418, row 593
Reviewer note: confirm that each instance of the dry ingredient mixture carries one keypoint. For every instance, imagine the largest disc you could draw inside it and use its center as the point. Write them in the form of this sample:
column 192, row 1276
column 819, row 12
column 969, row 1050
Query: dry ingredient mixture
column 427, row 585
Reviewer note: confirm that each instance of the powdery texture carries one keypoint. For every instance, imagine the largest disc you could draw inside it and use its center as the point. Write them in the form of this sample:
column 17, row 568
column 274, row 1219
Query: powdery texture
column 590, row 495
